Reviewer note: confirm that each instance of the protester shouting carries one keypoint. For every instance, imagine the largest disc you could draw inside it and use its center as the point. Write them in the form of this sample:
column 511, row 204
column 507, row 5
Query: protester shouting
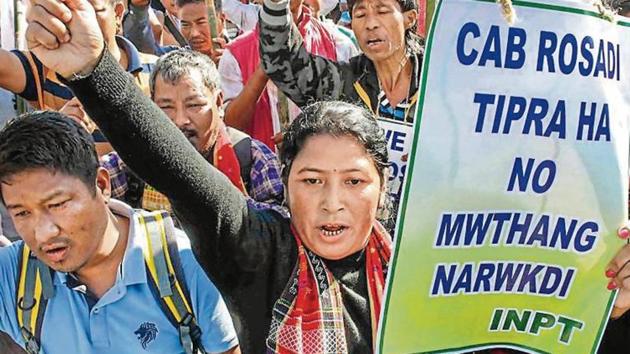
column 185, row 85
column 319, row 275
column 385, row 78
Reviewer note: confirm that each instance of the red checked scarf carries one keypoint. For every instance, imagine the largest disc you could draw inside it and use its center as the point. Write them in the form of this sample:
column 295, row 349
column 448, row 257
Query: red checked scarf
column 225, row 160
column 308, row 317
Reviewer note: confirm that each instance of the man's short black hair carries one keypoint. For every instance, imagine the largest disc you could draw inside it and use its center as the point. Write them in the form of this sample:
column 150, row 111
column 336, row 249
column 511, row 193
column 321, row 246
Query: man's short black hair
column 413, row 42
column 218, row 4
column 49, row 140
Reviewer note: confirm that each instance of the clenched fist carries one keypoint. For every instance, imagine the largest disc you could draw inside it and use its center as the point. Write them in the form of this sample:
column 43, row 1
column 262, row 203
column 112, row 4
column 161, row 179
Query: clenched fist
column 64, row 35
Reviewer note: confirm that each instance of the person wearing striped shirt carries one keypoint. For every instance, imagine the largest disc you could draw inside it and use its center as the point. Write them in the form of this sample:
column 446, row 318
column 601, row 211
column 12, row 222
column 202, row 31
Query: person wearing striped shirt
column 22, row 73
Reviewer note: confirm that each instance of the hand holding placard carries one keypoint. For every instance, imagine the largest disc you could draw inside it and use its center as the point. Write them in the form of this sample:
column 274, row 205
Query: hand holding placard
column 516, row 185
column 618, row 271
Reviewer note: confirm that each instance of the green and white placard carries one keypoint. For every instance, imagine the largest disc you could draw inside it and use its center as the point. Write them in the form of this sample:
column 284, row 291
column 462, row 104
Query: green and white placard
column 517, row 182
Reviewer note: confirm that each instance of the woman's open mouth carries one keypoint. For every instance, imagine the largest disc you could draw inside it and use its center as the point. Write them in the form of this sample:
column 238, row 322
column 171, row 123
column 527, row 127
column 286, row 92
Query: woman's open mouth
column 374, row 42
column 331, row 230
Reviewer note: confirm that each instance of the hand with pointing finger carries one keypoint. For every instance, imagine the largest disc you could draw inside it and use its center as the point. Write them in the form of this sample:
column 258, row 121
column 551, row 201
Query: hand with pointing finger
column 64, row 35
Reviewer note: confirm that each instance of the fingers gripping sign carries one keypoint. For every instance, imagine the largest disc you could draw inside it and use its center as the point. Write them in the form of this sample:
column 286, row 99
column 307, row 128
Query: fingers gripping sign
column 64, row 35
column 618, row 271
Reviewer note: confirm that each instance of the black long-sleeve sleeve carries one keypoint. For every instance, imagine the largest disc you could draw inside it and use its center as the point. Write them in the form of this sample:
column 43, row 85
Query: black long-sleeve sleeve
column 248, row 253
column 153, row 147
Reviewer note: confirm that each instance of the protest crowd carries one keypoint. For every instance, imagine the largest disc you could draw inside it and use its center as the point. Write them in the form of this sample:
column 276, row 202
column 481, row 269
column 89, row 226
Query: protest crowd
column 195, row 176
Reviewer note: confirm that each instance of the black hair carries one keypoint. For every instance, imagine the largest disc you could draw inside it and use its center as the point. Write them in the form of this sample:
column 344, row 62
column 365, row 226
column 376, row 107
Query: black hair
column 337, row 119
column 413, row 42
column 49, row 140
column 218, row 4
column 178, row 63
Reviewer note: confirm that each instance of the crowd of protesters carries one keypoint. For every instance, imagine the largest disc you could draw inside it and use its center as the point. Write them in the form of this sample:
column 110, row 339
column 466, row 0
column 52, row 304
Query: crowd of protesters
column 242, row 135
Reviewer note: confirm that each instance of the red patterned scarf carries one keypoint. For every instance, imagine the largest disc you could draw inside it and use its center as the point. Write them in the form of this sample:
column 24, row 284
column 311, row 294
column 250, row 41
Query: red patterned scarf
column 225, row 160
column 308, row 317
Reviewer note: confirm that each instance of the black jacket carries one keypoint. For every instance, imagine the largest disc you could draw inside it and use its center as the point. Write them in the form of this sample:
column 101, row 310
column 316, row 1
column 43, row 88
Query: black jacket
column 249, row 254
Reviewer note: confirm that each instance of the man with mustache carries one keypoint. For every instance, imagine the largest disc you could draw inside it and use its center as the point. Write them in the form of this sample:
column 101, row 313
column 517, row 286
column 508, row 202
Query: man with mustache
column 185, row 85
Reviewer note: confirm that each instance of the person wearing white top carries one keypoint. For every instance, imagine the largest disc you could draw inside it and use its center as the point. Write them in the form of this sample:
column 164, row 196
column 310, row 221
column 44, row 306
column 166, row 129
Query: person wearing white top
column 245, row 16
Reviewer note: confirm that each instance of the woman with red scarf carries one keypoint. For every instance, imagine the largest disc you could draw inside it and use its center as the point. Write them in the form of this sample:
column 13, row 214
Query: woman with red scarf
column 312, row 283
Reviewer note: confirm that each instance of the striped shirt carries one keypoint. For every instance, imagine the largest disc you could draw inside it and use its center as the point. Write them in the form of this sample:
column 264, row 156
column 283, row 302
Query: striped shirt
column 265, row 188
column 44, row 90
column 405, row 110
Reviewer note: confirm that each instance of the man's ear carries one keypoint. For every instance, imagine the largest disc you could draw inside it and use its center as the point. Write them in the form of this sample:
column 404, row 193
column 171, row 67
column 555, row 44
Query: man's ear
column 219, row 103
column 119, row 11
column 103, row 184
column 409, row 18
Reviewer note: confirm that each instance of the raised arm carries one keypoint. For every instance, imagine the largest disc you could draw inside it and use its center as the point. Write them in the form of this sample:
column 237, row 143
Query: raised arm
column 151, row 145
column 138, row 29
column 12, row 75
column 302, row 76
column 214, row 213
